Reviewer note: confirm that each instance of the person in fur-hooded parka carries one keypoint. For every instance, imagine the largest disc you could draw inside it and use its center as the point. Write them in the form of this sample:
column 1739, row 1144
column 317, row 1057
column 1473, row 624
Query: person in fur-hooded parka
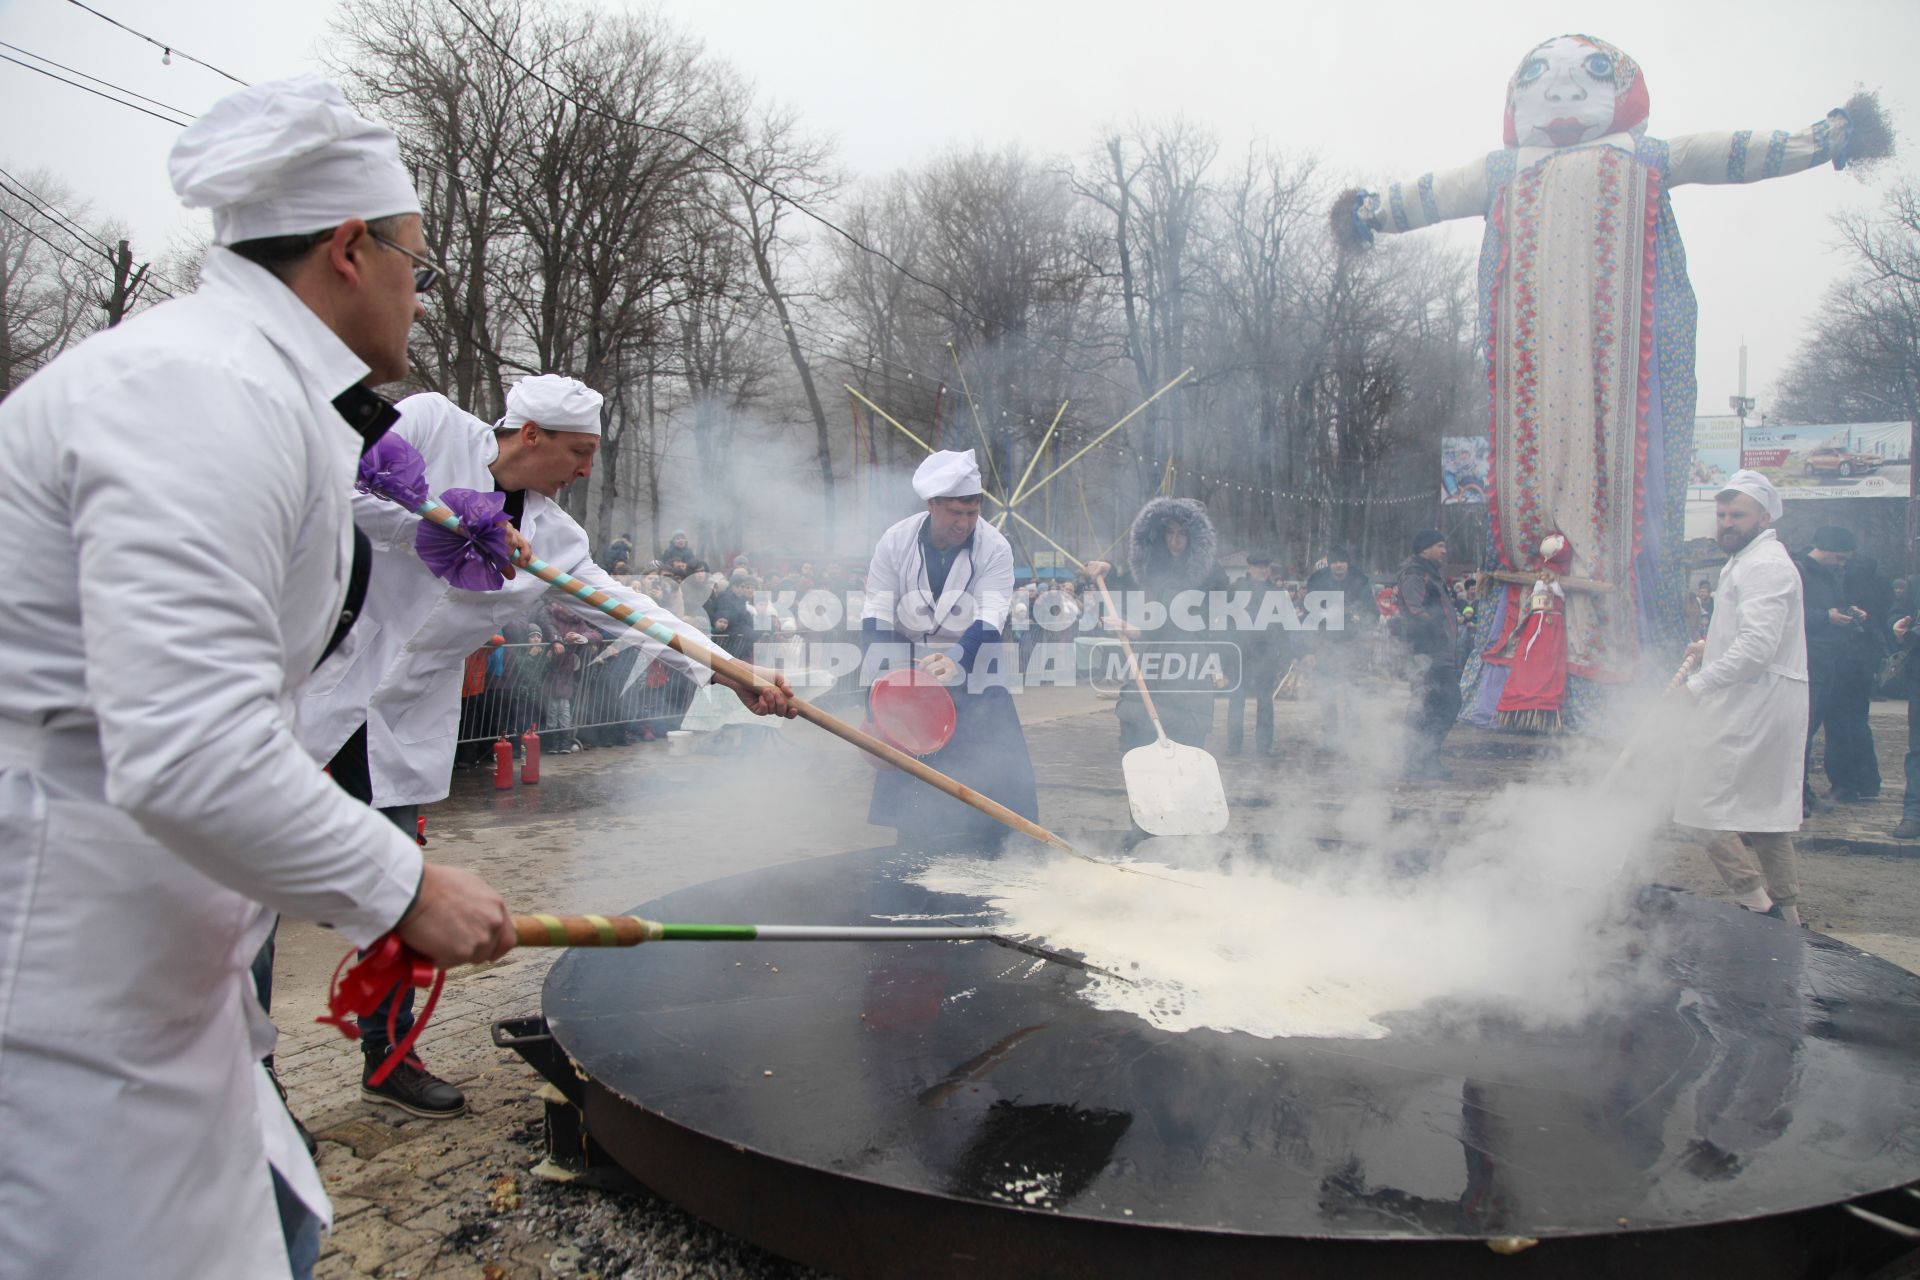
column 1170, row 555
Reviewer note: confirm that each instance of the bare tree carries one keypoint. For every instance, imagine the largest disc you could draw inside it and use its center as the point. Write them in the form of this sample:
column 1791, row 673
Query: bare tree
column 461, row 112
column 47, row 285
column 1151, row 183
column 561, row 156
column 1018, row 300
column 726, row 367
column 776, row 166
column 1258, row 327
column 1861, row 363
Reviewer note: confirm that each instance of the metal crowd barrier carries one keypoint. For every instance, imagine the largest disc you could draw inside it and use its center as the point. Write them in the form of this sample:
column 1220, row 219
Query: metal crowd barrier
column 617, row 693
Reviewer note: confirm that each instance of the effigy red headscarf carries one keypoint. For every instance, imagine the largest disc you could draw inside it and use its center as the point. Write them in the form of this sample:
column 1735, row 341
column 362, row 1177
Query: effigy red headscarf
column 1630, row 88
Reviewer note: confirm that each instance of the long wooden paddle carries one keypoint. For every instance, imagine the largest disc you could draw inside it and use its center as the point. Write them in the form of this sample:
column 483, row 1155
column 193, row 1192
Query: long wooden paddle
column 742, row 674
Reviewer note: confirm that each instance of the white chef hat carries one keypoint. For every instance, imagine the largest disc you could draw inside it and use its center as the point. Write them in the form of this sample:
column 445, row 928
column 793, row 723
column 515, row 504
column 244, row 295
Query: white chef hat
column 554, row 401
column 1757, row 487
column 288, row 157
column 947, row 474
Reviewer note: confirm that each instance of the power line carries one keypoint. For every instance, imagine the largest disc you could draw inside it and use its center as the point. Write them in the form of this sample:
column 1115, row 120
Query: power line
column 167, row 50
column 87, row 239
column 91, row 269
column 178, row 124
column 43, row 207
column 65, row 253
column 96, row 79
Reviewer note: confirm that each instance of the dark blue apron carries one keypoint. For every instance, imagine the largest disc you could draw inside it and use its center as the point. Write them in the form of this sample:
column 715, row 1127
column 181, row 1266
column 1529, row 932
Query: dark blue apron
column 988, row 752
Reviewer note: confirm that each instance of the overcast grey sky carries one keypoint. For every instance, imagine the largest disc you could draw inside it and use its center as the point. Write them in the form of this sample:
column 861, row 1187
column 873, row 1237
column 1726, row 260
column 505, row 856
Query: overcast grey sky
column 1380, row 90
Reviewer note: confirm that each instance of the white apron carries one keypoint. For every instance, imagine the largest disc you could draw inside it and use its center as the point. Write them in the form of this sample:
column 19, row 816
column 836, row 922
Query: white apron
column 1745, row 767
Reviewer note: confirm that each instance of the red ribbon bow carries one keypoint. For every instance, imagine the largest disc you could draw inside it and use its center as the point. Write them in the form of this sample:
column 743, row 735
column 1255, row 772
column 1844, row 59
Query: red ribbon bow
column 357, row 991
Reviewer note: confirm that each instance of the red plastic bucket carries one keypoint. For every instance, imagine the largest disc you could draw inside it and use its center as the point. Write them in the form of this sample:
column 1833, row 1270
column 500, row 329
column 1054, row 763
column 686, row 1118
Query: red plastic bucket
column 911, row 710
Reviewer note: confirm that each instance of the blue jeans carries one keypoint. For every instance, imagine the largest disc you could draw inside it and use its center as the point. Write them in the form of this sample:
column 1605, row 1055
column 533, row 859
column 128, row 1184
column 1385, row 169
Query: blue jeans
column 353, row 776
column 399, row 1001
column 299, row 1228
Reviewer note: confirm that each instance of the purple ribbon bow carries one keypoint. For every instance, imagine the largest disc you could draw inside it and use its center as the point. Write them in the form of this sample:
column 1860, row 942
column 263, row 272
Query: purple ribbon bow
column 475, row 556
column 394, row 470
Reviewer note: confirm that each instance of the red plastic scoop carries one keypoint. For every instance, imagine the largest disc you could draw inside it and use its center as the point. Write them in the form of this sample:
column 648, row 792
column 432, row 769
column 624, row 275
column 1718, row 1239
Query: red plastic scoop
column 911, row 710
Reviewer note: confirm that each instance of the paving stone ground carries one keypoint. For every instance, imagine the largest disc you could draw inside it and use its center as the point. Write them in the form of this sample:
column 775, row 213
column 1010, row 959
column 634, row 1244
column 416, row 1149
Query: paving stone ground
column 613, row 827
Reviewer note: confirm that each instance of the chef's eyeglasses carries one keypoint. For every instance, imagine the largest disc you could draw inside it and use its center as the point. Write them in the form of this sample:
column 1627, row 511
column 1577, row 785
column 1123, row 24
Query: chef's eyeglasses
column 425, row 275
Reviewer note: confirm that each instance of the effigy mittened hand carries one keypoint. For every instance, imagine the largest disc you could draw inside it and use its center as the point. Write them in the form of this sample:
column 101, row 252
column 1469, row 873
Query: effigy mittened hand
column 394, row 470
column 1865, row 135
column 1348, row 218
column 476, row 556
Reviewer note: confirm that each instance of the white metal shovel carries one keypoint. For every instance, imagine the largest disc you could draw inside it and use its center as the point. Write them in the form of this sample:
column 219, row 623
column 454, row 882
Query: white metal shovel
column 1173, row 789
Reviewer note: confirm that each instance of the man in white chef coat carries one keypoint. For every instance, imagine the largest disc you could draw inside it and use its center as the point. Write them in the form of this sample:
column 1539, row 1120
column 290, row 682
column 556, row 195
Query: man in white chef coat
column 385, row 707
column 939, row 590
column 181, row 486
column 1740, row 783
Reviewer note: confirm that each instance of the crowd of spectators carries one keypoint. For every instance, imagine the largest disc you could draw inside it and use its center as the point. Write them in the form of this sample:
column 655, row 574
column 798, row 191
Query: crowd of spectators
column 579, row 686
column 580, row 682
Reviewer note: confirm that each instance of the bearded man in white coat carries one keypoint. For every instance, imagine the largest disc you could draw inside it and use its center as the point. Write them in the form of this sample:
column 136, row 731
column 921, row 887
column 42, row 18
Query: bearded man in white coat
column 1740, row 784
column 180, row 484
column 385, row 708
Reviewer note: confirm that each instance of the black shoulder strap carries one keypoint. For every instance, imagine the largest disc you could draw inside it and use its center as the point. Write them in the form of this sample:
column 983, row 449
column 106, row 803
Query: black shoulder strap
column 370, row 414
column 356, row 593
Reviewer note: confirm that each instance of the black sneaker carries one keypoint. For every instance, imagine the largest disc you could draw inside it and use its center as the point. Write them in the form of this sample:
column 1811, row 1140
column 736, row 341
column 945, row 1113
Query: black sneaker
column 1909, row 829
column 413, row 1089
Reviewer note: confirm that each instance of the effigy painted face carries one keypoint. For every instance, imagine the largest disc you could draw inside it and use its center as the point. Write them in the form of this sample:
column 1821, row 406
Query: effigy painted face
column 1573, row 89
column 1563, row 94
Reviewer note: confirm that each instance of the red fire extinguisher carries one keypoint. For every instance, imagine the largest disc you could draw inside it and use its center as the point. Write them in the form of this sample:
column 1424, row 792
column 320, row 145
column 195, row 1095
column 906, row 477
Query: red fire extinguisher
column 530, row 755
column 502, row 765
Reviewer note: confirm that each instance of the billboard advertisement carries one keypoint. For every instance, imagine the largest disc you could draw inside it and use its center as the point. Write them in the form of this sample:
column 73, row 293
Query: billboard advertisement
column 1716, row 455
column 1826, row 460
column 1849, row 460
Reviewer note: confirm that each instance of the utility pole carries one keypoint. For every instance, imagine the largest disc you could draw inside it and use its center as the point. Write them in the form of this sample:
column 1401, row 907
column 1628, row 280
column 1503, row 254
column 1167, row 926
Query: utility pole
column 127, row 282
column 1742, row 404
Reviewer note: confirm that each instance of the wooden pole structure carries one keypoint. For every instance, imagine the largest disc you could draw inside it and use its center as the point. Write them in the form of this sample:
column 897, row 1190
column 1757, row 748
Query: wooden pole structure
column 1528, row 579
column 986, row 446
column 1042, row 483
column 1020, row 490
